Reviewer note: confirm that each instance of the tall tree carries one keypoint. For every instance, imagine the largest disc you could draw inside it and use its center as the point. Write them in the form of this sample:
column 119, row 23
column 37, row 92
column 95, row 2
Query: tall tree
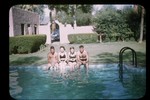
column 133, row 18
column 140, row 9
column 56, row 9
column 142, row 25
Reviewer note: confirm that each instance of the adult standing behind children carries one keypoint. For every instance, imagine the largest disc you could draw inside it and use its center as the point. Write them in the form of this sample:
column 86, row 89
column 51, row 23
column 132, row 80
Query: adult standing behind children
column 83, row 57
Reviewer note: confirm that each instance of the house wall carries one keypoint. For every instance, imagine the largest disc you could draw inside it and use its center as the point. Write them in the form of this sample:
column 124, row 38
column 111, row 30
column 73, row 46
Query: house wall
column 19, row 17
column 11, row 25
column 45, row 29
column 64, row 31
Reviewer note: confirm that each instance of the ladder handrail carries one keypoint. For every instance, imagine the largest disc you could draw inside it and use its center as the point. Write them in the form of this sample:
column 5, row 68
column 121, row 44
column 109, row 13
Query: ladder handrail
column 134, row 58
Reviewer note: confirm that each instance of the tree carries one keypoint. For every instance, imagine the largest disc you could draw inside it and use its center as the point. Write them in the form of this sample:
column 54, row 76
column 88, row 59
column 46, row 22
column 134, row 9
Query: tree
column 135, row 19
column 33, row 8
column 110, row 21
column 57, row 8
column 70, row 10
column 142, row 25
column 83, row 18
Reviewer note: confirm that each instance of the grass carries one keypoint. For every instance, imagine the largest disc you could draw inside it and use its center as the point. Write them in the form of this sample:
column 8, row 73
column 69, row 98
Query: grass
column 127, row 58
column 107, row 52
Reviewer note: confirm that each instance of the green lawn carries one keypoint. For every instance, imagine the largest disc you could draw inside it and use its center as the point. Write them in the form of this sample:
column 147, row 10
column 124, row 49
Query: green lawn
column 107, row 52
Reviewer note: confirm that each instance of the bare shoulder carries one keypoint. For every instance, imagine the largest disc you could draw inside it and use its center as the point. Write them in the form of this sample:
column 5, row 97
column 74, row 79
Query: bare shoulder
column 77, row 52
column 48, row 54
column 56, row 53
column 86, row 52
column 68, row 53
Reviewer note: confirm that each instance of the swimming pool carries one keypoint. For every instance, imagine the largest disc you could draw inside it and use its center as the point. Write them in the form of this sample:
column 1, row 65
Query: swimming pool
column 101, row 81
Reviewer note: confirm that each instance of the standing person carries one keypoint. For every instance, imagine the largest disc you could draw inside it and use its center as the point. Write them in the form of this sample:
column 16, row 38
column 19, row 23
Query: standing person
column 72, row 58
column 52, row 58
column 53, row 26
column 83, row 57
column 62, row 57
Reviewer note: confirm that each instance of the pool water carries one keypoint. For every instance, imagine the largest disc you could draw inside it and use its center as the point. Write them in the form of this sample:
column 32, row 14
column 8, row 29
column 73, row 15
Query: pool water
column 98, row 82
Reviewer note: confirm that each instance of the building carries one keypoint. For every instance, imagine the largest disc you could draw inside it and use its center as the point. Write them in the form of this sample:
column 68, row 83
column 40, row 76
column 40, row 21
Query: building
column 23, row 22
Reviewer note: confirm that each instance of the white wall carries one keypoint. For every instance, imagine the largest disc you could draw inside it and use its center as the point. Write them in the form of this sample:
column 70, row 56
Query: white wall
column 11, row 26
column 45, row 29
column 64, row 31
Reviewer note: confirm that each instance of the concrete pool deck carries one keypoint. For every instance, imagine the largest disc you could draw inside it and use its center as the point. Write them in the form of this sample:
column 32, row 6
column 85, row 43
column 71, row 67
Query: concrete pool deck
column 98, row 53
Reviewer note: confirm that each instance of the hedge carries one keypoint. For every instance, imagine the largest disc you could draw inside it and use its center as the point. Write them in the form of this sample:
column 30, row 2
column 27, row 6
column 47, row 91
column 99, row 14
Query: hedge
column 82, row 38
column 26, row 43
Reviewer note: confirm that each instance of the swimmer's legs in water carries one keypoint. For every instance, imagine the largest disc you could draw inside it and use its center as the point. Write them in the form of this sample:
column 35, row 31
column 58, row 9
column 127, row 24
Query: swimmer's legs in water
column 72, row 65
column 62, row 66
column 54, row 66
column 86, row 65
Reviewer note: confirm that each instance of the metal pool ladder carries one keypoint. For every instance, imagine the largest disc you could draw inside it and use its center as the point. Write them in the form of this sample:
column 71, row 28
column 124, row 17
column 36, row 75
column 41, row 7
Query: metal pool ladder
column 134, row 60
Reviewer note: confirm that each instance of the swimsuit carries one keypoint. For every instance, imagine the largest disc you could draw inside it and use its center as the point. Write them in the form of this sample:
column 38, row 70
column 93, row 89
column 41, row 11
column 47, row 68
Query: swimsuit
column 72, row 57
column 83, row 57
column 62, row 56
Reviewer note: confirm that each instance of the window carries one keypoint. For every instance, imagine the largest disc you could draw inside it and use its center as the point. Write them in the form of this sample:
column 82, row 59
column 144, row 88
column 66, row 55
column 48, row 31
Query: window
column 35, row 29
column 22, row 29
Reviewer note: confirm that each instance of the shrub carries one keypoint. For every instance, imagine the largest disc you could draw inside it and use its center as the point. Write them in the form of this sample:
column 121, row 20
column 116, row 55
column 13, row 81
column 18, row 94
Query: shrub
column 26, row 44
column 82, row 38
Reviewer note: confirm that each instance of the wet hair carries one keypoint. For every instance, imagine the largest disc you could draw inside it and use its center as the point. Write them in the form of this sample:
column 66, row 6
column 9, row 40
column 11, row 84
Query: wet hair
column 71, row 48
column 62, row 47
column 52, row 47
column 81, row 46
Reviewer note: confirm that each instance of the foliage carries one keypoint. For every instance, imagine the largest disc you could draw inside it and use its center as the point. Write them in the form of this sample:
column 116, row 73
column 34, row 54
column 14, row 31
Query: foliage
column 64, row 18
column 82, row 38
column 69, row 9
column 69, row 13
column 111, row 22
column 83, row 18
column 133, row 19
column 25, row 44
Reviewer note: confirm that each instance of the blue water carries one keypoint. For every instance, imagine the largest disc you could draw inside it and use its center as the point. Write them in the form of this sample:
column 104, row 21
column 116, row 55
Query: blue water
column 99, row 82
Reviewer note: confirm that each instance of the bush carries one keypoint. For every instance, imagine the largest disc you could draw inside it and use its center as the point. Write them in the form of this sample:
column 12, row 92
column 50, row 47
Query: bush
column 83, row 19
column 82, row 38
column 25, row 44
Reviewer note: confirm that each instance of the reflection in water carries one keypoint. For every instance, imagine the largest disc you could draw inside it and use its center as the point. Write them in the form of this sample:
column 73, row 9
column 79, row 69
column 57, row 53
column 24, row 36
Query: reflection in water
column 15, row 88
column 97, row 82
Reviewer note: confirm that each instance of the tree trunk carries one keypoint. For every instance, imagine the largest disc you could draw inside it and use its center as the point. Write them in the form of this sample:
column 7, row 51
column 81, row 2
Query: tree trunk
column 141, row 26
column 100, row 36
column 75, row 24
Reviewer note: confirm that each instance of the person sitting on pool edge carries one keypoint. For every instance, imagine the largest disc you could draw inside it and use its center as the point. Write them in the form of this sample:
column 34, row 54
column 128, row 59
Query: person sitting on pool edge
column 82, row 57
column 62, row 56
column 52, row 58
column 72, row 58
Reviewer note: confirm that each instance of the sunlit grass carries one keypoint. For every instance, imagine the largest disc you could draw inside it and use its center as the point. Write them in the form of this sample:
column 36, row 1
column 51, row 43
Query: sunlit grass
column 107, row 52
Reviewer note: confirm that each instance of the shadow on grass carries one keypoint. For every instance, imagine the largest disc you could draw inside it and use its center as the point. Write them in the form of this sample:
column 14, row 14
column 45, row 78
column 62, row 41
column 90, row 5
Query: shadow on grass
column 141, row 58
column 25, row 60
column 107, row 58
column 127, row 58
